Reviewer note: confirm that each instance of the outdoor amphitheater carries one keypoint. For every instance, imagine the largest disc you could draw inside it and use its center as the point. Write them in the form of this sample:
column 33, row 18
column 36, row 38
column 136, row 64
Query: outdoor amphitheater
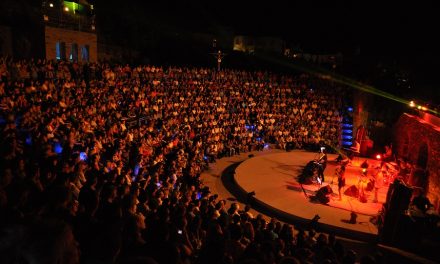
column 152, row 133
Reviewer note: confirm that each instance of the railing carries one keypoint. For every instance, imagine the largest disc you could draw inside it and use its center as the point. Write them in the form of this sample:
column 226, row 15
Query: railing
column 60, row 19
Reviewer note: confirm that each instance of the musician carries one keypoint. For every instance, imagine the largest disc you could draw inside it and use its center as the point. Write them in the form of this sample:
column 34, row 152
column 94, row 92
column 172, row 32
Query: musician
column 362, row 183
column 388, row 155
column 354, row 149
column 322, row 162
column 340, row 172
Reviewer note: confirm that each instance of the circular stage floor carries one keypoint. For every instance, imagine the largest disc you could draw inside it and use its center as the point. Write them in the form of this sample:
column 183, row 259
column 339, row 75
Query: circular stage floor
column 273, row 178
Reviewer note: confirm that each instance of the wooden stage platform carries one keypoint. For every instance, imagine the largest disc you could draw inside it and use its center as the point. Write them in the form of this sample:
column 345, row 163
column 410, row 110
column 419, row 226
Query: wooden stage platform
column 272, row 175
column 273, row 178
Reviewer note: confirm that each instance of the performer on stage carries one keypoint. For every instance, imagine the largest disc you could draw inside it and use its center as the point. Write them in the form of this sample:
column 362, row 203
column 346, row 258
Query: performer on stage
column 362, row 183
column 322, row 161
column 340, row 172
column 388, row 155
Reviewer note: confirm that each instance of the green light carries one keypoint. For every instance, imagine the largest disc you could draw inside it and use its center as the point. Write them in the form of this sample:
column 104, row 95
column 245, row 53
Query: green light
column 322, row 73
column 73, row 6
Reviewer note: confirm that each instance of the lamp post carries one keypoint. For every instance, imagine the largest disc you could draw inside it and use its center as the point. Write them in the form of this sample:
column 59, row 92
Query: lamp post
column 219, row 56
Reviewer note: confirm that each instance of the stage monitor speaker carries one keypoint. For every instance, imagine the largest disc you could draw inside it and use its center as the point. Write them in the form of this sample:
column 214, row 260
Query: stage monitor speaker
column 352, row 191
column 322, row 194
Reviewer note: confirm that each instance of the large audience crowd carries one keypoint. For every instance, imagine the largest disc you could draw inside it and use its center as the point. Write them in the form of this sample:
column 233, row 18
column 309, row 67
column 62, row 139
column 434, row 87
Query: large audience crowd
column 101, row 163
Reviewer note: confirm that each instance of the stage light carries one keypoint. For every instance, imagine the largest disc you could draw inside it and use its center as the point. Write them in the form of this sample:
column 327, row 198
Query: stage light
column 419, row 107
column 424, row 108
column 364, row 170
column 66, row 9
column 378, row 156
column 348, row 143
column 51, row 5
column 412, row 104
column 313, row 223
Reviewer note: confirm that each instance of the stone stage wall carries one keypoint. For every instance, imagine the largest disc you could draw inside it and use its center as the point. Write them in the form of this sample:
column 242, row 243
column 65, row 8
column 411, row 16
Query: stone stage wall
column 418, row 141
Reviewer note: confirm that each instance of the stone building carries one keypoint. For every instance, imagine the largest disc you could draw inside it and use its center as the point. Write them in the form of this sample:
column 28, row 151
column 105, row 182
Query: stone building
column 70, row 31
column 417, row 139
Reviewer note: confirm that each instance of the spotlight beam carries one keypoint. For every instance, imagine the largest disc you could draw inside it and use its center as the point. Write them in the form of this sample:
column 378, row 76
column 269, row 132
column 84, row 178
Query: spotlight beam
column 341, row 79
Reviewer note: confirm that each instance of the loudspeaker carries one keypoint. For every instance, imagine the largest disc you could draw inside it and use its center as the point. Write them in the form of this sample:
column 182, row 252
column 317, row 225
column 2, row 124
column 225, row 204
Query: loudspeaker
column 352, row 191
column 322, row 193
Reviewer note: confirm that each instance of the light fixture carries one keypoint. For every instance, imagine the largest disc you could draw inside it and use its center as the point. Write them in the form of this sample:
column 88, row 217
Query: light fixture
column 51, row 5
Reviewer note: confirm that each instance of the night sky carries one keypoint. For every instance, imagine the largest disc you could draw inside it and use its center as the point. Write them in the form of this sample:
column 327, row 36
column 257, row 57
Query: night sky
column 402, row 33
column 321, row 26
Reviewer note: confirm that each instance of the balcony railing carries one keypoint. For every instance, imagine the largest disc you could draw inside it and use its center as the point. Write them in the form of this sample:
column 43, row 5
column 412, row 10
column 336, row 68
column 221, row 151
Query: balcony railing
column 61, row 19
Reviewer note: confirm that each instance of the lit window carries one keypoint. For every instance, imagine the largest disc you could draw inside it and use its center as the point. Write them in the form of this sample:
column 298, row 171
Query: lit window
column 85, row 53
column 73, row 52
column 60, row 51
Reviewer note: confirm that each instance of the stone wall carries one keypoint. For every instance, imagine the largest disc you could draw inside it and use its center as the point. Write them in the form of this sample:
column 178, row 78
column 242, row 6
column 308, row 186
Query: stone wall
column 54, row 35
column 413, row 139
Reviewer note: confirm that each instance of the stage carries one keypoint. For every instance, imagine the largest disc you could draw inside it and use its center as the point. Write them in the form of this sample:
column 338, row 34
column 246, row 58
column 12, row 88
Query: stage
column 274, row 179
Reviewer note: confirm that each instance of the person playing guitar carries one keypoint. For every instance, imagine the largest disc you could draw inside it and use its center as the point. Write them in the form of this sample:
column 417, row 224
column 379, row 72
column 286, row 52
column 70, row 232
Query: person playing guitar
column 362, row 185
column 322, row 164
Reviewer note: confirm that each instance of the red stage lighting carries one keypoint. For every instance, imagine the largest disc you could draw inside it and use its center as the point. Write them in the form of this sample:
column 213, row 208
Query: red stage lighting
column 378, row 156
